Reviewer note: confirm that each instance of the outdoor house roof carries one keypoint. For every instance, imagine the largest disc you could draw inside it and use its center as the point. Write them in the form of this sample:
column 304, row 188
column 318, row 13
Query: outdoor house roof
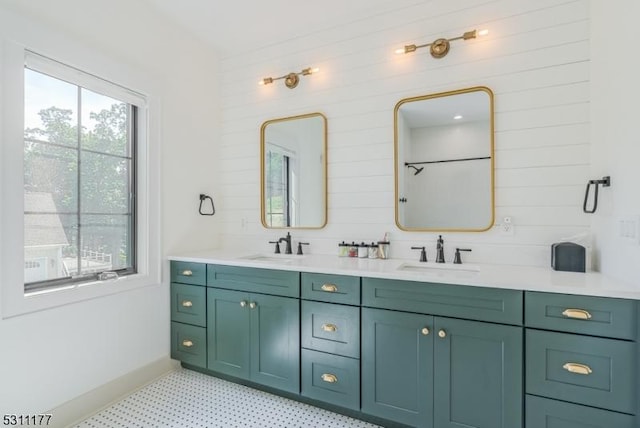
column 43, row 228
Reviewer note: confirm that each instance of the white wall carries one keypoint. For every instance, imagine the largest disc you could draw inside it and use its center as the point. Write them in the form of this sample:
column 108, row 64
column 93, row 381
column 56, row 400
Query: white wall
column 616, row 138
column 52, row 356
column 535, row 59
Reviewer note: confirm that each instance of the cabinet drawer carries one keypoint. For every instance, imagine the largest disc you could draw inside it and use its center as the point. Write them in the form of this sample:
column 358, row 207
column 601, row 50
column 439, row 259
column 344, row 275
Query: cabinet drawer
column 331, row 328
column 189, row 344
column 331, row 378
column 188, row 304
column 545, row 413
column 189, row 273
column 598, row 316
column 254, row 280
column 477, row 303
column 581, row 369
column 331, row 288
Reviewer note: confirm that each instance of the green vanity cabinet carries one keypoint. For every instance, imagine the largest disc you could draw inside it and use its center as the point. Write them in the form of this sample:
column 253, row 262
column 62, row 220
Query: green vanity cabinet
column 434, row 371
column 330, row 339
column 188, row 313
column 441, row 372
column 254, row 337
column 581, row 357
column 397, row 366
column 545, row 413
column 478, row 374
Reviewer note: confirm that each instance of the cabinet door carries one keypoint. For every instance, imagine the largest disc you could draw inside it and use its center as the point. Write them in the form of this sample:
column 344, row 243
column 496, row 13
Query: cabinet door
column 228, row 326
column 478, row 374
column 397, row 366
column 275, row 342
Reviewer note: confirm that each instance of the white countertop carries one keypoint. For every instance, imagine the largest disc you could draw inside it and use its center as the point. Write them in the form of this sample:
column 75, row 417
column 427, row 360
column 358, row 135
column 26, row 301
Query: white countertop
column 496, row 276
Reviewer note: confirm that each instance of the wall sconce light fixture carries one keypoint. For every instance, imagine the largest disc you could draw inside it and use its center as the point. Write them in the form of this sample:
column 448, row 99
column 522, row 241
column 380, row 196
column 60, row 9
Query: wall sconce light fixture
column 291, row 80
column 440, row 47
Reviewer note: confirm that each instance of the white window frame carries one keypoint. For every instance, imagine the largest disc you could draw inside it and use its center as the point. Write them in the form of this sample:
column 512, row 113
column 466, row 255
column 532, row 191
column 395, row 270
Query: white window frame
column 13, row 299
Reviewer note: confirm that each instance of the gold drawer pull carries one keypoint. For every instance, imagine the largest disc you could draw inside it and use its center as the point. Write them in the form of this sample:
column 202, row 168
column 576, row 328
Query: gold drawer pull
column 442, row 334
column 425, row 331
column 579, row 314
column 577, row 368
column 331, row 288
column 253, row 305
column 332, row 328
column 187, row 303
column 243, row 303
column 187, row 272
column 187, row 343
column 329, row 378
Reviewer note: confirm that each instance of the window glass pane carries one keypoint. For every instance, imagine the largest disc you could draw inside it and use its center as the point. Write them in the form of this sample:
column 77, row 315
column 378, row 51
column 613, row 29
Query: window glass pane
column 104, row 184
column 104, row 122
column 50, row 109
column 105, row 242
column 53, row 171
column 49, row 242
column 78, row 181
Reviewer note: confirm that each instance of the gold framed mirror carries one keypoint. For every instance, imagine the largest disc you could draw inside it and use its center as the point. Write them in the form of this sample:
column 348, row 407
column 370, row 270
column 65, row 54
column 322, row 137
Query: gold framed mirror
column 444, row 161
column 293, row 172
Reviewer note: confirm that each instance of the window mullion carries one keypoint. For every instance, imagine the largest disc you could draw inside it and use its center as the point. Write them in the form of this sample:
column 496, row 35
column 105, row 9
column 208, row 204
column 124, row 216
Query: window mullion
column 79, row 186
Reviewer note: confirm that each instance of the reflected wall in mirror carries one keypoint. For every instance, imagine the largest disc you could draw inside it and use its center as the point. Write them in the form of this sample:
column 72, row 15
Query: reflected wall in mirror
column 293, row 166
column 444, row 161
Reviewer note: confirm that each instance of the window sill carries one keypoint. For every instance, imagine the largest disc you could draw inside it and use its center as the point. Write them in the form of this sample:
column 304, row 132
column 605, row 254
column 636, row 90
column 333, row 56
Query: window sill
column 65, row 295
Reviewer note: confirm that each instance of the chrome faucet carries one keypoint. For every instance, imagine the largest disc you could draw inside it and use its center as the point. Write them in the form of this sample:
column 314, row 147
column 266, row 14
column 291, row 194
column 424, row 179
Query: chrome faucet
column 440, row 250
column 286, row 239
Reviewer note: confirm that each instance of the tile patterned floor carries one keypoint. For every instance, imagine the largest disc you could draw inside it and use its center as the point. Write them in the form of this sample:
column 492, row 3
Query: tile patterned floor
column 185, row 398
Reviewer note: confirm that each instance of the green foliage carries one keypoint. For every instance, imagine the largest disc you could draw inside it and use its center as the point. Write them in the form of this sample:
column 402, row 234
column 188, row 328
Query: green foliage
column 66, row 162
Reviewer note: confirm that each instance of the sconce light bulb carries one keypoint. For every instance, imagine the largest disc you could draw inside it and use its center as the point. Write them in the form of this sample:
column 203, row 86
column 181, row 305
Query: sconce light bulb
column 457, row 117
column 315, row 70
column 266, row 81
column 483, row 32
column 400, row 51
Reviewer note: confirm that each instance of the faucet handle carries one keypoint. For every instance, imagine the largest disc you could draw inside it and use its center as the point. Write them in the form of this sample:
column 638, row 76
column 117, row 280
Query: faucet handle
column 300, row 244
column 457, row 259
column 423, row 253
column 277, row 251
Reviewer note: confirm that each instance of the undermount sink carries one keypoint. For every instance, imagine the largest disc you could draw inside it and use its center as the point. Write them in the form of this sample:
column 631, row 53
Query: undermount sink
column 438, row 268
column 280, row 258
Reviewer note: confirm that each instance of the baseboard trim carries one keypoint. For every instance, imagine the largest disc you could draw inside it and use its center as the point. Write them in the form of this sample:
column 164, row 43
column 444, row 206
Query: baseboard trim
column 78, row 409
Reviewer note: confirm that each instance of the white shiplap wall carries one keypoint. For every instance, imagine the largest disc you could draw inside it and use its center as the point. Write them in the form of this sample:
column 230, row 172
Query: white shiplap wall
column 535, row 59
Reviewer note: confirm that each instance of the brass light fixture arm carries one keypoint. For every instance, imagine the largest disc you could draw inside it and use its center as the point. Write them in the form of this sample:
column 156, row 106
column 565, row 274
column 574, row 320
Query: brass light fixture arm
column 292, row 79
column 440, row 47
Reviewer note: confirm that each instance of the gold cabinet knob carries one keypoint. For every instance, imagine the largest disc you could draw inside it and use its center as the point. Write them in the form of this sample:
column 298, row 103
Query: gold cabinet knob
column 577, row 368
column 442, row 334
column 253, row 305
column 579, row 314
column 331, row 328
column 330, row 288
column 187, row 272
column 243, row 303
column 329, row 378
column 187, row 343
column 424, row 331
column 187, row 303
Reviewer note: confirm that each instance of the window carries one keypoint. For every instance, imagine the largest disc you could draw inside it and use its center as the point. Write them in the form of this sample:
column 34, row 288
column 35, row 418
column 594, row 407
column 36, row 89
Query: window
column 79, row 182
column 79, row 176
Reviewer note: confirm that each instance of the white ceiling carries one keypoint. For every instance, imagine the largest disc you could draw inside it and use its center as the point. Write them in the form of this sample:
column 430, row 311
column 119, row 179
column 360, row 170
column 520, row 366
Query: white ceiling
column 244, row 25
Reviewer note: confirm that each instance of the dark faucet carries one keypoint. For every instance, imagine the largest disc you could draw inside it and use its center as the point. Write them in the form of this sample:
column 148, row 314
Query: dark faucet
column 287, row 239
column 440, row 250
